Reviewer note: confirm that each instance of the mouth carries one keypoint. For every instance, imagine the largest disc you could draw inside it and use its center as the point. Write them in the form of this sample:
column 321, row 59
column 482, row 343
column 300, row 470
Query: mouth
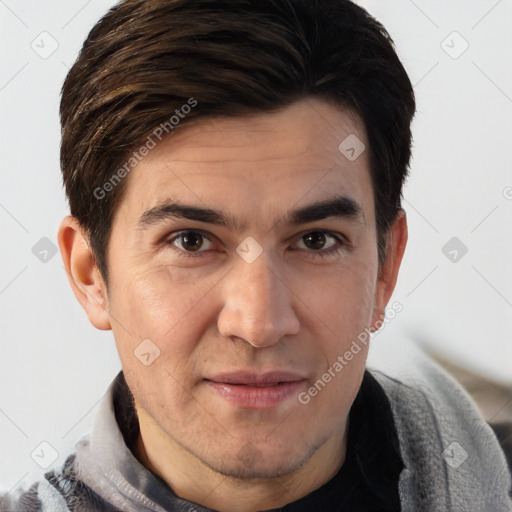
column 256, row 391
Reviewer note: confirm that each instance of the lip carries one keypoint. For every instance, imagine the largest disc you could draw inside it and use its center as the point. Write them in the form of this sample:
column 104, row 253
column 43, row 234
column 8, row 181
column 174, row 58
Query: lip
column 256, row 391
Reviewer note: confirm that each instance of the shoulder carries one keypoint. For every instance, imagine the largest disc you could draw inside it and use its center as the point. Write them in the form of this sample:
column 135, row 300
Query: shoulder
column 452, row 457
column 41, row 496
column 425, row 387
column 427, row 396
column 61, row 490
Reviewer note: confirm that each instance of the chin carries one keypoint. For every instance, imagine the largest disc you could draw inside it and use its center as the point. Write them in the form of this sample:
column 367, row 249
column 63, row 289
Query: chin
column 264, row 460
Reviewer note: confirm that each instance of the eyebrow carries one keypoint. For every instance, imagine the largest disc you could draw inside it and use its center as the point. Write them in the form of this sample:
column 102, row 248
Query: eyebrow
column 337, row 207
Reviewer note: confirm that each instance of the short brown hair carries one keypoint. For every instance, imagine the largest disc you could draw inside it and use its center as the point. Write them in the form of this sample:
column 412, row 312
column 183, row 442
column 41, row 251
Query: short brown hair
column 146, row 59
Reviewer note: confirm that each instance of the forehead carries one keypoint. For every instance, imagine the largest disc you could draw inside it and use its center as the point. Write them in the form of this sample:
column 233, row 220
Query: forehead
column 254, row 163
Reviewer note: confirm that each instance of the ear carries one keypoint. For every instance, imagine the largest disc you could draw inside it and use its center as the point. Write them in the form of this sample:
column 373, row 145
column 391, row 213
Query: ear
column 83, row 273
column 388, row 272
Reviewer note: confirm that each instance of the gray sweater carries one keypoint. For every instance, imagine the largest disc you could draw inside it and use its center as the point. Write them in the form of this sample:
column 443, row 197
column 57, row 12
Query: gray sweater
column 453, row 461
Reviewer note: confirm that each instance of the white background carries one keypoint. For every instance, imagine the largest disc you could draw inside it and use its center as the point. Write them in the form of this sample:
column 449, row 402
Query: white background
column 55, row 367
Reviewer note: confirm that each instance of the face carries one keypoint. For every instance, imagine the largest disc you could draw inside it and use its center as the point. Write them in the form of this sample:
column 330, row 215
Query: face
column 245, row 250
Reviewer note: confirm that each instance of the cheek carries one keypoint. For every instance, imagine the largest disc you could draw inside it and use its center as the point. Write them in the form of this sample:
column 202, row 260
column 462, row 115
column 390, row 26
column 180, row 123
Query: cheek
column 343, row 308
column 342, row 299
column 160, row 305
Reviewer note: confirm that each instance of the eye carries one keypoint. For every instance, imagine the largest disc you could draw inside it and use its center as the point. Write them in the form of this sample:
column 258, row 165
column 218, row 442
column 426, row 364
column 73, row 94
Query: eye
column 190, row 241
column 319, row 240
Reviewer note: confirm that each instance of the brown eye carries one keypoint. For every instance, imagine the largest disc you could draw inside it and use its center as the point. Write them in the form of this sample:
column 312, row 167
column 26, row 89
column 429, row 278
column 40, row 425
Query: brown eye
column 191, row 241
column 315, row 240
column 321, row 243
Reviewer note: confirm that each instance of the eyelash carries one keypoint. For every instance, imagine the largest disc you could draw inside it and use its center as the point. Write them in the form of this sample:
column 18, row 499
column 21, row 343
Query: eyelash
column 322, row 253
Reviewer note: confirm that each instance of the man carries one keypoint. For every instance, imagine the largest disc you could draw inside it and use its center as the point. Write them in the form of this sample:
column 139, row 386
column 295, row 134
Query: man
column 234, row 173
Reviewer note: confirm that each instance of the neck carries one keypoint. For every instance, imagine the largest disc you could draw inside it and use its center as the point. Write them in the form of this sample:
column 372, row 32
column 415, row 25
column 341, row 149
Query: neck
column 191, row 479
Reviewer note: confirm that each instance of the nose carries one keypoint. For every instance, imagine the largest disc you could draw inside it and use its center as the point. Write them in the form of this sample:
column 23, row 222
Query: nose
column 257, row 305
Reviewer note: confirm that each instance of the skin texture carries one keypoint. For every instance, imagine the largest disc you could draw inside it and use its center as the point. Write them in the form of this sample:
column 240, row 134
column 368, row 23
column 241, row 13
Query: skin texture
column 296, row 307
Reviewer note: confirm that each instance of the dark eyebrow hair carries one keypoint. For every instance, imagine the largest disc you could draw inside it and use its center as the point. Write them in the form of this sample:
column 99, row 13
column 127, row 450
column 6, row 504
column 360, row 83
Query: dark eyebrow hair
column 338, row 206
column 173, row 210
